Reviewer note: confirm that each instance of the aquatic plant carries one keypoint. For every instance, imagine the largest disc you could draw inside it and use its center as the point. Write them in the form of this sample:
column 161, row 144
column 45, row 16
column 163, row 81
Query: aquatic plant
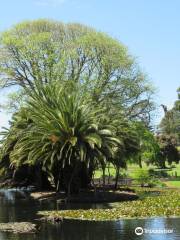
column 156, row 204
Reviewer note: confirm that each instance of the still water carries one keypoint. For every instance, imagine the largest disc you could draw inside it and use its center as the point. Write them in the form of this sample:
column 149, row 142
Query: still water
column 17, row 206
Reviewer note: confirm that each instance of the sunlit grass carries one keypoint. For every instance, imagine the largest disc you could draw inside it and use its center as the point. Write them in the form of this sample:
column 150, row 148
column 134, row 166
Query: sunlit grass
column 132, row 170
column 173, row 183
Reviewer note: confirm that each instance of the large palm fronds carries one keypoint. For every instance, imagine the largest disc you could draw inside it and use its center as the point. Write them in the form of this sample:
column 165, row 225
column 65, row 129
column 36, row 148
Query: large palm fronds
column 9, row 136
column 66, row 128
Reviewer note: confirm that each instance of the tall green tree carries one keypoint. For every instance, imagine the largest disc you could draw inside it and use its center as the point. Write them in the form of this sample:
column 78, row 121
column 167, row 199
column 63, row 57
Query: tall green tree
column 45, row 51
column 168, row 151
column 169, row 134
column 148, row 145
column 128, row 149
column 82, row 92
column 170, row 123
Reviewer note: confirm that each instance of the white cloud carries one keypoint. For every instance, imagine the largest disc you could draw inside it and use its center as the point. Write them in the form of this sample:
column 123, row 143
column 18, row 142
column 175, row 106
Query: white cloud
column 49, row 3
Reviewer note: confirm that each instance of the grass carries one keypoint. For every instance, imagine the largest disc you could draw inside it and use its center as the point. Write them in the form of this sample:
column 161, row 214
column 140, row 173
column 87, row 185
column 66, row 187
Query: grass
column 152, row 203
column 173, row 183
column 98, row 173
column 173, row 174
column 175, row 170
column 132, row 170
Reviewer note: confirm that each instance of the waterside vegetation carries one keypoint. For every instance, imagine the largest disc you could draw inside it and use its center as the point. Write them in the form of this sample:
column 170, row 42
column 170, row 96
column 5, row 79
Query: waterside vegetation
column 153, row 203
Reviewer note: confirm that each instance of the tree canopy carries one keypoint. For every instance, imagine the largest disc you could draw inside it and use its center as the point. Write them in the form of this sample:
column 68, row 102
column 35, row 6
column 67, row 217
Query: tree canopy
column 85, row 102
column 170, row 123
column 45, row 51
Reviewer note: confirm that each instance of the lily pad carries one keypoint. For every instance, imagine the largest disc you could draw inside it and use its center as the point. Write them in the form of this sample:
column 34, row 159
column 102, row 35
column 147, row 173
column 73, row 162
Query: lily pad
column 164, row 204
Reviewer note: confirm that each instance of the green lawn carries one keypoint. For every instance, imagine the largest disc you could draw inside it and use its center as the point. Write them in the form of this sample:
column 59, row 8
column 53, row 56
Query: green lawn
column 132, row 170
column 175, row 170
column 173, row 184
column 98, row 173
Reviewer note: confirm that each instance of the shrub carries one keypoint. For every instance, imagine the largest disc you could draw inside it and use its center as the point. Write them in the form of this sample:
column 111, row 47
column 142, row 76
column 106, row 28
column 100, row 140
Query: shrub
column 142, row 176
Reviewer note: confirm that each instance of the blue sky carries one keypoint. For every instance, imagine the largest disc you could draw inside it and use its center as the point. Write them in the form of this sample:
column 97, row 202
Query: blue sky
column 150, row 29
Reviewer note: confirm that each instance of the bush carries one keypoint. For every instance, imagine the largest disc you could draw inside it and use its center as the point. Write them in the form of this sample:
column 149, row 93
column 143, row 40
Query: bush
column 158, row 173
column 142, row 176
column 155, row 183
column 146, row 178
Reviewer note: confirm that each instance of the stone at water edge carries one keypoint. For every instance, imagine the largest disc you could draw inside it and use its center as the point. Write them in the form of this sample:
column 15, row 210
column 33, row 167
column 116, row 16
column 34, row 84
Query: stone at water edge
column 18, row 227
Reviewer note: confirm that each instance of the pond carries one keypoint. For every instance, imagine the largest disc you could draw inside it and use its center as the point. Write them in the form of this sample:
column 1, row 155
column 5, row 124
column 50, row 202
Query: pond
column 15, row 205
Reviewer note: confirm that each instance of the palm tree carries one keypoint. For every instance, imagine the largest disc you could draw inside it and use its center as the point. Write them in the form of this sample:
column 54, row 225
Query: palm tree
column 66, row 131
column 9, row 137
column 21, row 173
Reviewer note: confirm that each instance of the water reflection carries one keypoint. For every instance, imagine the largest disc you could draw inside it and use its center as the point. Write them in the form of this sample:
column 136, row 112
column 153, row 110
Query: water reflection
column 17, row 206
column 12, row 195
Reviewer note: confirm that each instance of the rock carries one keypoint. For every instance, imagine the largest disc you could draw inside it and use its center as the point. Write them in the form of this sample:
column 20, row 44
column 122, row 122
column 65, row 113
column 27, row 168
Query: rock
column 18, row 227
column 58, row 219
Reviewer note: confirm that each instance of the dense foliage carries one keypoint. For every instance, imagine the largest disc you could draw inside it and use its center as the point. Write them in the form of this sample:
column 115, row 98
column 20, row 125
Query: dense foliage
column 170, row 124
column 45, row 51
column 85, row 103
column 169, row 135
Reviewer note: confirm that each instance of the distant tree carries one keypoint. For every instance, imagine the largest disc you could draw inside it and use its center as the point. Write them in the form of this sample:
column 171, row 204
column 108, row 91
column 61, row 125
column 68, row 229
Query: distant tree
column 177, row 103
column 170, row 123
column 168, row 151
column 148, row 146
column 129, row 147
column 169, row 135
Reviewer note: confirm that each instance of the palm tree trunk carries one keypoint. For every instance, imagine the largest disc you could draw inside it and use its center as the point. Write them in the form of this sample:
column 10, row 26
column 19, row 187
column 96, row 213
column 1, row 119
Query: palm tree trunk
column 58, row 181
column 38, row 173
column 117, row 177
column 103, row 169
column 94, row 186
column 70, row 181
column 109, row 174
column 140, row 161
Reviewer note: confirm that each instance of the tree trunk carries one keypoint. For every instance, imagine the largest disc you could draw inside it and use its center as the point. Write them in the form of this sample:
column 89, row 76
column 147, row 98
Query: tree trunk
column 94, row 186
column 103, row 169
column 117, row 177
column 38, row 174
column 70, row 181
column 109, row 174
column 14, row 174
column 140, row 162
